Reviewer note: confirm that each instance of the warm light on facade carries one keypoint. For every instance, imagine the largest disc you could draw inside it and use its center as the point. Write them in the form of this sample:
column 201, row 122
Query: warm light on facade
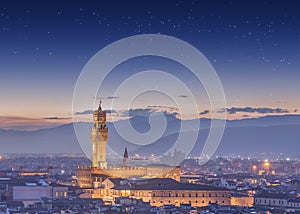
column 253, row 181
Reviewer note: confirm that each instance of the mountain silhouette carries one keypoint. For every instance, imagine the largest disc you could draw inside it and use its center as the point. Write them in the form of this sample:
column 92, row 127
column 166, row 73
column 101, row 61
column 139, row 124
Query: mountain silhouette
column 246, row 136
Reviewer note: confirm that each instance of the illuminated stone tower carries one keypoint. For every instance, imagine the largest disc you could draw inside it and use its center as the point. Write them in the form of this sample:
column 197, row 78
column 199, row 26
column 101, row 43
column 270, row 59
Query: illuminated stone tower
column 99, row 137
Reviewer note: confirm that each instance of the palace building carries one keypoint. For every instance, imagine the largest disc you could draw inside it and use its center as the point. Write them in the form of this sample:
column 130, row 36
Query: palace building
column 161, row 191
column 157, row 184
column 90, row 176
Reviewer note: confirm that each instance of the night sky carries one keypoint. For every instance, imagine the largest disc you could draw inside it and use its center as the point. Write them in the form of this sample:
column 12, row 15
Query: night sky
column 254, row 47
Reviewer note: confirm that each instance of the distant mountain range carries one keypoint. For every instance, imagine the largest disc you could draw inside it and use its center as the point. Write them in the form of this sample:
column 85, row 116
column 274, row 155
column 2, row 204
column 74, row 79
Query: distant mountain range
column 247, row 136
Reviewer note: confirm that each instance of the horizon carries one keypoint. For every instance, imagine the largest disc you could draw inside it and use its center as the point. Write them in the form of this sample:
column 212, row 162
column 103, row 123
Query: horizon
column 11, row 126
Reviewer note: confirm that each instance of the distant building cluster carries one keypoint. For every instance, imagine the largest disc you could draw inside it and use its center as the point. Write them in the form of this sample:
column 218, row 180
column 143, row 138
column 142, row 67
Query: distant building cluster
column 73, row 184
column 201, row 189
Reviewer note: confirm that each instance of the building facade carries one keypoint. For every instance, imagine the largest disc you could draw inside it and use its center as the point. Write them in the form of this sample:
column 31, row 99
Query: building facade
column 243, row 201
column 162, row 191
column 30, row 193
column 287, row 202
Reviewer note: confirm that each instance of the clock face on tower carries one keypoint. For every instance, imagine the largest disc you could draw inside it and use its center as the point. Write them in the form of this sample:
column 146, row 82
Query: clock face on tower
column 101, row 119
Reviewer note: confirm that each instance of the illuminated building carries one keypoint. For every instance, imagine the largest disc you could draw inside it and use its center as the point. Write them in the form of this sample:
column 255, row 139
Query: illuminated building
column 157, row 184
column 162, row 191
column 99, row 137
column 91, row 176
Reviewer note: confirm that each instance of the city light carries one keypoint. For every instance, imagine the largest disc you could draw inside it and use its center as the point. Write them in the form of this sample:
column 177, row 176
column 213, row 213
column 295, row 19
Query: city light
column 267, row 164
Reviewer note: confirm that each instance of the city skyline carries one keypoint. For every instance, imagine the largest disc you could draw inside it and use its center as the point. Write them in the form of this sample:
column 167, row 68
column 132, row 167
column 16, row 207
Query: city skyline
column 175, row 106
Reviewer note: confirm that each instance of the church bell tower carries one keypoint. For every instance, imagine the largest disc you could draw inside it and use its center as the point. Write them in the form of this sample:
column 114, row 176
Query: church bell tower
column 99, row 137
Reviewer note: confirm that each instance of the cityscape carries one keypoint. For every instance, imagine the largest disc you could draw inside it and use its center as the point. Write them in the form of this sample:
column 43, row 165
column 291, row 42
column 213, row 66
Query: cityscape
column 172, row 107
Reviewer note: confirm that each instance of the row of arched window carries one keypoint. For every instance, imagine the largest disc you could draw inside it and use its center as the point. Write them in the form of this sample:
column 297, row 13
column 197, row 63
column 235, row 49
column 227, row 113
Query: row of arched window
column 189, row 202
column 162, row 194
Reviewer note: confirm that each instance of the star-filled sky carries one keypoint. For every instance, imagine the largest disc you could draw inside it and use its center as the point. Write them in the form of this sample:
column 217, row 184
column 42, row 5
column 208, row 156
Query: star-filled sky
column 254, row 47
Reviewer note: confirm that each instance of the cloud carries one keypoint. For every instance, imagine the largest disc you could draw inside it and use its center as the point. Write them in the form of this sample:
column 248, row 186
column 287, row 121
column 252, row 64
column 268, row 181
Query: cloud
column 112, row 97
column 92, row 111
column 235, row 110
column 166, row 109
column 245, row 115
column 156, row 107
column 144, row 112
column 110, row 111
column 84, row 112
column 137, row 112
column 24, row 123
column 56, row 118
column 204, row 112
column 183, row 96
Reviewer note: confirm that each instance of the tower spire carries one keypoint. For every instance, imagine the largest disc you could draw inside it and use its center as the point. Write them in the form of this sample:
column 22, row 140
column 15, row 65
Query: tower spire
column 100, row 108
column 125, row 158
column 125, row 153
